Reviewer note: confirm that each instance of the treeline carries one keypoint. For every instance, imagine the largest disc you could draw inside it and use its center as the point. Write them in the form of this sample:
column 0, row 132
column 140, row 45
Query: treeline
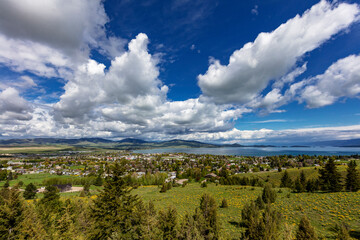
column 329, row 180
column 114, row 214
column 146, row 179
column 244, row 181
column 117, row 214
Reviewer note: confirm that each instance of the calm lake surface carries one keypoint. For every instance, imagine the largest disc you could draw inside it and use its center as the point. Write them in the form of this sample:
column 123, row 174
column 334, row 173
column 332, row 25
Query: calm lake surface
column 254, row 151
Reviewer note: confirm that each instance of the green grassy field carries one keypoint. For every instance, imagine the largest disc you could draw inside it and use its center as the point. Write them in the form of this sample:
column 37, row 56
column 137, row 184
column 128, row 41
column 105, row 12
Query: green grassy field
column 274, row 177
column 36, row 179
column 323, row 209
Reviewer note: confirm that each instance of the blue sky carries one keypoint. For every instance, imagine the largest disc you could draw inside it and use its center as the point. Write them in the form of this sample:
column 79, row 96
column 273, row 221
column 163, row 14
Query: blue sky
column 214, row 71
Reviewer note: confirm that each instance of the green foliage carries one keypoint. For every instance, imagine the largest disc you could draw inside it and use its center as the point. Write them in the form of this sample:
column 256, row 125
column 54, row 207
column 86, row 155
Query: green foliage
column 190, row 226
column 99, row 181
column 259, row 225
column 31, row 227
column 268, row 195
column 7, row 184
column 260, row 202
column 208, row 210
column 11, row 213
column 224, row 203
column 3, row 175
column 165, row 187
column 86, row 189
column 312, row 185
column 330, row 178
column 115, row 211
column 286, row 181
column 203, row 184
column 342, row 232
column 352, row 182
column 168, row 223
column 30, row 191
column 305, row 230
column 51, row 199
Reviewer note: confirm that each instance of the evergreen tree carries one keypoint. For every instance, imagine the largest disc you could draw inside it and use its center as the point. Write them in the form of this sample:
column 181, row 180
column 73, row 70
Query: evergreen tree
column 30, row 191
column 11, row 213
column 312, row 185
column 65, row 228
column 305, row 230
column 115, row 210
column 31, row 227
column 352, row 182
column 208, row 209
column 189, row 229
column 150, row 226
column 51, row 200
column 342, row 232
column 98, row 181
column 260, row 203
column 330, row 178
column 268, row 195
column 168, row 223
column 286, row 181
column 260, row 226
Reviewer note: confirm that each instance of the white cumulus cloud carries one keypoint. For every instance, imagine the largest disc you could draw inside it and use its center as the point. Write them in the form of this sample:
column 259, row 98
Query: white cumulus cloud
column 273, row 54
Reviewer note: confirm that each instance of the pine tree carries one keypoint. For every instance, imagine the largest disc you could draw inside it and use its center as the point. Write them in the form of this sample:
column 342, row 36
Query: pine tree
column 115, row 210
column 260, row 226
column 189, row 229
column 65, row 228
column 168, row 223
column 305, row 230
column 30, row 191
column 208, row 209
column 31, row 227
column 51, row 200
column 352, row 182
column 286, row 181
column 98, row 181
column 330, row 178
column 268, row 195
column 11, row 213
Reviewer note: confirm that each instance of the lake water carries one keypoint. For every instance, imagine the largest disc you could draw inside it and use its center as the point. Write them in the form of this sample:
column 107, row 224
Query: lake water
column 257, row 151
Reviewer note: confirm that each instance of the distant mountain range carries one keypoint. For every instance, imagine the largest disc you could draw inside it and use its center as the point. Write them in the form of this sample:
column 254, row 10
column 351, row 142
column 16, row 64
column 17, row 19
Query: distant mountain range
column 132, row 144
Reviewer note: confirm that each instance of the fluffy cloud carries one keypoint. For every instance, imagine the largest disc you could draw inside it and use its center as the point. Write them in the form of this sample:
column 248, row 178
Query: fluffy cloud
column 129, row 98
column 341, row 79
column 13, row 107
column 273, row 54
column 132, row 75
column 49, row 38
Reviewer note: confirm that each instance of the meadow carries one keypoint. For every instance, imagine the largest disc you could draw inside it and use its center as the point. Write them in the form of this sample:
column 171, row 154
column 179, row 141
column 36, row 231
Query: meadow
column 324, row 210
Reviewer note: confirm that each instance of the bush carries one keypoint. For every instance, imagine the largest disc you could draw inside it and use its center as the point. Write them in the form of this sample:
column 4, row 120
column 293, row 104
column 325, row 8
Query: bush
column 204, row 184
column 224, row 204
column 30, row 191
column 268, row 195
column 305, row 230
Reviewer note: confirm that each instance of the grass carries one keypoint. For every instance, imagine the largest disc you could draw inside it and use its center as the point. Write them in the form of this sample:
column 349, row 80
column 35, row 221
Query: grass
column 36, row 179
column 323, row 209
column 274, row 177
